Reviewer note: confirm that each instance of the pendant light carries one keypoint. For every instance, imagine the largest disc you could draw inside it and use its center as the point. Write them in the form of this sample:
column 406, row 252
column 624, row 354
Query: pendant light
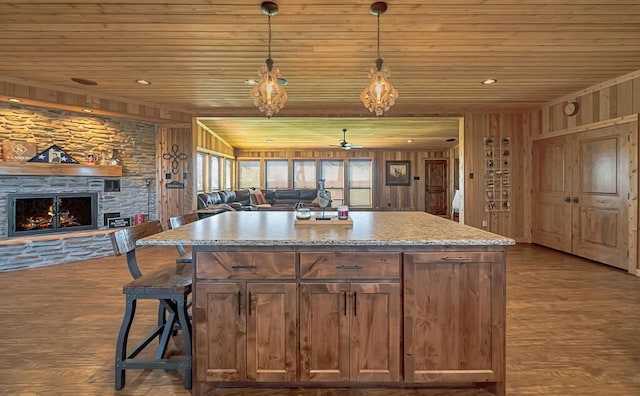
column 379, row 95
column 269, row 95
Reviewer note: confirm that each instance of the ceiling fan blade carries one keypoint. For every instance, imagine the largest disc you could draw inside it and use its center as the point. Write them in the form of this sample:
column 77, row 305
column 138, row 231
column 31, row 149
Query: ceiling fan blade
column 356, row 146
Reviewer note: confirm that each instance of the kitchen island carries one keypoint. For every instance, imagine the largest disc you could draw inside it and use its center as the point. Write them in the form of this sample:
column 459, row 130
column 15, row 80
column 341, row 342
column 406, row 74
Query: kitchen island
column 397, row 299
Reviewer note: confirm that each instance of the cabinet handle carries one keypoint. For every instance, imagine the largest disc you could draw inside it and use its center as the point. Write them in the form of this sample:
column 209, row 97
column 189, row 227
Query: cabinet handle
column 456, row 259
column 567, row 199
column 349, row 267
column 239, row 303
column 345, row 303
column 574, row 200
column 355, row 303
column 249, row 303
column 243, row 267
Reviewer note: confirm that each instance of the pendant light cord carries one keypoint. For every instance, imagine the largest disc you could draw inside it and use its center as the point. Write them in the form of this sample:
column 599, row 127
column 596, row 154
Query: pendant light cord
column 269, row 46
column 378, row 35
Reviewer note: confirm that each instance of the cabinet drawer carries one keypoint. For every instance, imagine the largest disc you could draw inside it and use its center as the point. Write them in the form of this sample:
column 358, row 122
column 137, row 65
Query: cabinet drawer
column 350, row 265
column 451, row 257
column 245, row 265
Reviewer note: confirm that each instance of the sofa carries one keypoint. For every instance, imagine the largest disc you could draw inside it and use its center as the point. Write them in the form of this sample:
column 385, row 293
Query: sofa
column 215, row 202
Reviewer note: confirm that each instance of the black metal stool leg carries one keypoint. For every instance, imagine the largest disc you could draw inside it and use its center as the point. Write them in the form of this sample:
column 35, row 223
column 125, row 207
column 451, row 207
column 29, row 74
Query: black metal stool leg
column 168, row 329
column 123, row 336
column 185, row 323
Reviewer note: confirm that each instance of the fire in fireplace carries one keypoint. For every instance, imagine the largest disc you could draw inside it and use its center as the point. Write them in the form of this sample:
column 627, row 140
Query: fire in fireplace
column 45, row 213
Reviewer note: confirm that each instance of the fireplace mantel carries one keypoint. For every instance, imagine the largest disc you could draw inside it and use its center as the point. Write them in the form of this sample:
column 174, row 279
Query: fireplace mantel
column 50, row 169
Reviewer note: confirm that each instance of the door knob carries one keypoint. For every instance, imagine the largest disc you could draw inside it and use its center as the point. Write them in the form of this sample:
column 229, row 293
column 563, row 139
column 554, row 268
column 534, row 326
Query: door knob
column 567, row 199
column 574, row 200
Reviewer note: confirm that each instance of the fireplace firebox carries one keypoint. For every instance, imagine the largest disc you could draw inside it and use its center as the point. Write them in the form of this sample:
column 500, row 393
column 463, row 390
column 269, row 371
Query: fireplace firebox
column 47, row 213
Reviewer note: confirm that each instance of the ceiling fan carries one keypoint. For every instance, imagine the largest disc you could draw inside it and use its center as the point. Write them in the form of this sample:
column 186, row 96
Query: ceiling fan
column 344, row 144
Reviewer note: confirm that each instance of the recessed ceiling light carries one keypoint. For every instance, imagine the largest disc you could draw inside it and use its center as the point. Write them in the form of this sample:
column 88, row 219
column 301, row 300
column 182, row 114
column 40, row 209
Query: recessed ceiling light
column 409, row 141
column 14, row 100
column 143, row 82
column 489, row 81
column 269, row 140
column 87, row 110
column 83, row 81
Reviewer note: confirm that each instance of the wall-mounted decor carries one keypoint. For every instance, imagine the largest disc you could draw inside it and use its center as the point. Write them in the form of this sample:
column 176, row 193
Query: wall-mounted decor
column 398, row 173
column 175, row 157
column 497, row 174
column 16, row 150
column 54, row 154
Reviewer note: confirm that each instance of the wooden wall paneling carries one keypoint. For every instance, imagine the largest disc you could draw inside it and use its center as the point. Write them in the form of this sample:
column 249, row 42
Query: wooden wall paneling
column 635, row 96
column 209, row 141
column 615, row 98
column 624, row 98
column 384, row 197
column 515, row 223
column 634, row 209
column 43, row 95
column 604, row 111
column 174, row 201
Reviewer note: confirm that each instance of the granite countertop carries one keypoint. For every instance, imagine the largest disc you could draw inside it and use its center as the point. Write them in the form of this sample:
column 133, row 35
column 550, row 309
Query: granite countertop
column 264, row 228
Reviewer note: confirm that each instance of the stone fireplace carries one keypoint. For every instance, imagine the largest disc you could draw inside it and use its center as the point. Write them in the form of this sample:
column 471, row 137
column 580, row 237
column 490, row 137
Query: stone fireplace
column 36, row 214
column 78, row 135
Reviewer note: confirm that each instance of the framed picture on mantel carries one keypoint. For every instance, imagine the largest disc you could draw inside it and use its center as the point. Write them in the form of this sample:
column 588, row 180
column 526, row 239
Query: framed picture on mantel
column 398, row 173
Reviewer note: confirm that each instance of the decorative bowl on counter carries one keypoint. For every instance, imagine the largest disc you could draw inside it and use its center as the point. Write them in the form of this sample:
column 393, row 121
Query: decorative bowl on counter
column 303, row 214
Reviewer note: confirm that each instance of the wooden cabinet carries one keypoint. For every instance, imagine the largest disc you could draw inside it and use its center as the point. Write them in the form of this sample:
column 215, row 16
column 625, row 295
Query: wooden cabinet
column 349, row 325
column 338, row 317
column 350, row 332
column 580, row 194
column 245, row 330
column 454, row 317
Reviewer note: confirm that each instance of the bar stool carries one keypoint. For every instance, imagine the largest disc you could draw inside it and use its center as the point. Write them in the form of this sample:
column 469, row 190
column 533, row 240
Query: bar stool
column 170, row 284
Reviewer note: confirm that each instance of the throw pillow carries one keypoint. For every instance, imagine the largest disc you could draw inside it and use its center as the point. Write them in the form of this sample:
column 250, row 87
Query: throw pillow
column 259, row 197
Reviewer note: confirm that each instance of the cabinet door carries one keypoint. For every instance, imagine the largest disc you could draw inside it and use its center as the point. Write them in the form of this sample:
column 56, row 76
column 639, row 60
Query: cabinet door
column 375, row 332
column 220, row 332
column 552, row 192
column 600, row 185
column 454, row 317
column 271, row 332
column 324, row 332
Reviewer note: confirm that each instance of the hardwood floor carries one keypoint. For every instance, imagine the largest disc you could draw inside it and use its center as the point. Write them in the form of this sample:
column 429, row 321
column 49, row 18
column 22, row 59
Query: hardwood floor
column 573, row 328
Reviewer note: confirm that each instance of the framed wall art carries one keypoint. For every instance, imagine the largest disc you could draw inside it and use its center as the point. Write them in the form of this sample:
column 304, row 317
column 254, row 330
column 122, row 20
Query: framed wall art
column 398, row 173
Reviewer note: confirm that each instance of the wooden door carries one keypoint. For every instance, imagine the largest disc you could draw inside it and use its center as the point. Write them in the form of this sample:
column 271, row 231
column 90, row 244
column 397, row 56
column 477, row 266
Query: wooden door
column 375, row 332
column 435, row 196
column 271, row 326
column 220, row 332
column 552, row 192
column 324, row 332
column 454, row 316
column 600, row 191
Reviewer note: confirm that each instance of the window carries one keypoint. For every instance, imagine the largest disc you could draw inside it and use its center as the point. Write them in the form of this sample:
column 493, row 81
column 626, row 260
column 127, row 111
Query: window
column 228, row 172
column 277, row 174
column 360, row 183
column 248, row 174
column 214, row 173
column 304, row 174
column 333, row 174
column 200, row 171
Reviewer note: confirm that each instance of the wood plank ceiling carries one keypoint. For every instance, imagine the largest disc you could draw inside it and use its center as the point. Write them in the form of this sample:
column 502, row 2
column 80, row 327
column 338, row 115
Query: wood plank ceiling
column 198, row 53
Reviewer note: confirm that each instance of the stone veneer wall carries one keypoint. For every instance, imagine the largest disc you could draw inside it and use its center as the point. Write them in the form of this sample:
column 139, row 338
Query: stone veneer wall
column 77, row 135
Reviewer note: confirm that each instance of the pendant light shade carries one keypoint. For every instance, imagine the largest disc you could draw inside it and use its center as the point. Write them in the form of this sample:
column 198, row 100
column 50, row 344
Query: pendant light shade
column 380, row 94
column 269, row 95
